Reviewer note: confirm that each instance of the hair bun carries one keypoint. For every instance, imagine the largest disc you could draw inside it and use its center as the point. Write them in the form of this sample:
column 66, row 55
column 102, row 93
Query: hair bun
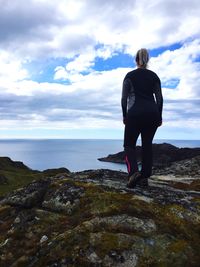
column 142, row 57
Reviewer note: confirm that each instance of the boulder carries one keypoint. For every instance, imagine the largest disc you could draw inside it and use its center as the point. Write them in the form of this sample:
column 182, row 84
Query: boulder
column 29, row 196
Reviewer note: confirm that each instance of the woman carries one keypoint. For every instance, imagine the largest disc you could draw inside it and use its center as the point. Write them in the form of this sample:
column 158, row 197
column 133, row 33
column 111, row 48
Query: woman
column 142, row 104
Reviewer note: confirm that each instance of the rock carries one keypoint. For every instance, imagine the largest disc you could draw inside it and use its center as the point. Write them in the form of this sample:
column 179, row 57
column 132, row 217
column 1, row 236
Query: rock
column 93, row 258
column 189, row 167
column 121, row 223
column 106, row 177
column 43, row 239
column 117, row 158
column 11, row 231
column 29, row 196
column 66, row 198
column 90, row 218
column 4, row 242
column 125, row 259
column 53, row 172
column 17, row 220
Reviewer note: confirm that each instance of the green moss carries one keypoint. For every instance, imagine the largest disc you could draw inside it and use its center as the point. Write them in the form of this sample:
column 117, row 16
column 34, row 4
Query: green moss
column 18, row 179
column 102, row 202
column 170, row 219
column 104, row 242
column 66, row 245
column 19, row 175
column 54, row 172
column 176, row 235
column 197, row 201
column 9, row 165
column 178, row 246
column 49, row 223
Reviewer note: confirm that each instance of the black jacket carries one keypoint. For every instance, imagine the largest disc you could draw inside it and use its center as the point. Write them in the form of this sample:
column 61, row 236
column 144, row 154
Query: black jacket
column 142, row 95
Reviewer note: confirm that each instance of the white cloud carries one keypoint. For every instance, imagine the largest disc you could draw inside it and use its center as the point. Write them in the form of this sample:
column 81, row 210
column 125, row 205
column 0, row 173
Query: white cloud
column 82, row 31
column 182, row 65
column 82, row 63
column 65, row 28
column 11, row 68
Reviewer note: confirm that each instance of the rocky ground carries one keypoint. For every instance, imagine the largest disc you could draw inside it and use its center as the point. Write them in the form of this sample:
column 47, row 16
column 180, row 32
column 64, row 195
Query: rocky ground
column 90, row 218
column 187, row 167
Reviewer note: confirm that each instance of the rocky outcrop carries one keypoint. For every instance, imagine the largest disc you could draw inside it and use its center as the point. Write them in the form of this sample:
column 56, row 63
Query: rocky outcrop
column 53, row 172
column 189, row 167
column 14, row 174
column 8, row 164
column 163, row 155
column 90, row 218
column 29, row 196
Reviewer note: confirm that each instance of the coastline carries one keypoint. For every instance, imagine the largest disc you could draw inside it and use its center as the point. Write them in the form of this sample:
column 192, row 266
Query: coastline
column 76, row 155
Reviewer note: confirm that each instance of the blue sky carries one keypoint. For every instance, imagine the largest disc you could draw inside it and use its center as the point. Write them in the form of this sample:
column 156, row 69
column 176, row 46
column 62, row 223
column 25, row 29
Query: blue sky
column 61, row 76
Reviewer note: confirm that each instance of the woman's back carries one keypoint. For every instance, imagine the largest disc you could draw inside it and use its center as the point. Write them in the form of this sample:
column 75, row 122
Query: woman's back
column 139, row 88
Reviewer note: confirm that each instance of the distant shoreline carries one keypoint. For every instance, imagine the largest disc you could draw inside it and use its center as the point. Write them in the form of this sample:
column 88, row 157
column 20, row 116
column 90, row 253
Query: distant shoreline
column 93, row 139
column 74, row 154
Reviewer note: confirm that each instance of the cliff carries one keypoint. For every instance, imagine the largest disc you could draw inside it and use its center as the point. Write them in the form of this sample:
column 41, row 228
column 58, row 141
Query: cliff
column 163, row 155
column 90, row 218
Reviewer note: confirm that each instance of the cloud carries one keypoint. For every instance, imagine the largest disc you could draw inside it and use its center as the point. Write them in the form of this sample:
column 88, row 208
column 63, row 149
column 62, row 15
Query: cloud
column 24, row 23
column 93, row 102
column 77, row 34
column 180, row 65
column 81, row 63
column 11, row 68
column 62, row 29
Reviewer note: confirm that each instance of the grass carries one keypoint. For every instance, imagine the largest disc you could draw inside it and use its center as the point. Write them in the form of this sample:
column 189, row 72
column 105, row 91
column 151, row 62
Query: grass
column 18, row 175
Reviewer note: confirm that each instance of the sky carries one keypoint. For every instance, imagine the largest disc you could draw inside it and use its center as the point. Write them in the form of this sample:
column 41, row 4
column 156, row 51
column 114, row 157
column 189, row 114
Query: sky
column 62, row 64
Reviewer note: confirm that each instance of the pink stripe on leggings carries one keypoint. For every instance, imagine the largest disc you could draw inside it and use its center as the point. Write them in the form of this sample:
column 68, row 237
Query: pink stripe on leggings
column 128, row 164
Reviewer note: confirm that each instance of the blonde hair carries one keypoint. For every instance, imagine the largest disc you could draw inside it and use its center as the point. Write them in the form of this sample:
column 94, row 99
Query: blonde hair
column 142, row 57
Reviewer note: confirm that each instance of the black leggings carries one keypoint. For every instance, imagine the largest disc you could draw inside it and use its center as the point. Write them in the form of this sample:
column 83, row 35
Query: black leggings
column 133, row 128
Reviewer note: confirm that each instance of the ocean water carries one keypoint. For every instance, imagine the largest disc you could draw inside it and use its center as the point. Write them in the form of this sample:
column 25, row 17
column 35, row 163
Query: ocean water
column 74, row 154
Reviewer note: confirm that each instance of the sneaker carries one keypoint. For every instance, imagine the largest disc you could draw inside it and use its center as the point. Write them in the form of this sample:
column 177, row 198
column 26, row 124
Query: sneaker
column 133, row 180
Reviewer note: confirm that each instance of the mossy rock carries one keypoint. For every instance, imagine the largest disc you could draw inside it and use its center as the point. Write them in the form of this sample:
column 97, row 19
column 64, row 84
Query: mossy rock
column 157, row 226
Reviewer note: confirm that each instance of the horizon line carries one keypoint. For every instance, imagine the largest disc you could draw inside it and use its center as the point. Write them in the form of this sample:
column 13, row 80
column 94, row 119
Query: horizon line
column 59, row 138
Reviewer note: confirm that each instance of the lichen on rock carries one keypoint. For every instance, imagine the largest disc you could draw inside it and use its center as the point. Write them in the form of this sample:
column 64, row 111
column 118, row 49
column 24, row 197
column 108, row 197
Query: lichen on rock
column 123, row 223
column 66, row 198
column 90, row 218
column 29, row 196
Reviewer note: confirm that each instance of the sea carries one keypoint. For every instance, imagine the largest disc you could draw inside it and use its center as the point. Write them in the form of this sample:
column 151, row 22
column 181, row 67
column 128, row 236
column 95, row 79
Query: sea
column 73, row 154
